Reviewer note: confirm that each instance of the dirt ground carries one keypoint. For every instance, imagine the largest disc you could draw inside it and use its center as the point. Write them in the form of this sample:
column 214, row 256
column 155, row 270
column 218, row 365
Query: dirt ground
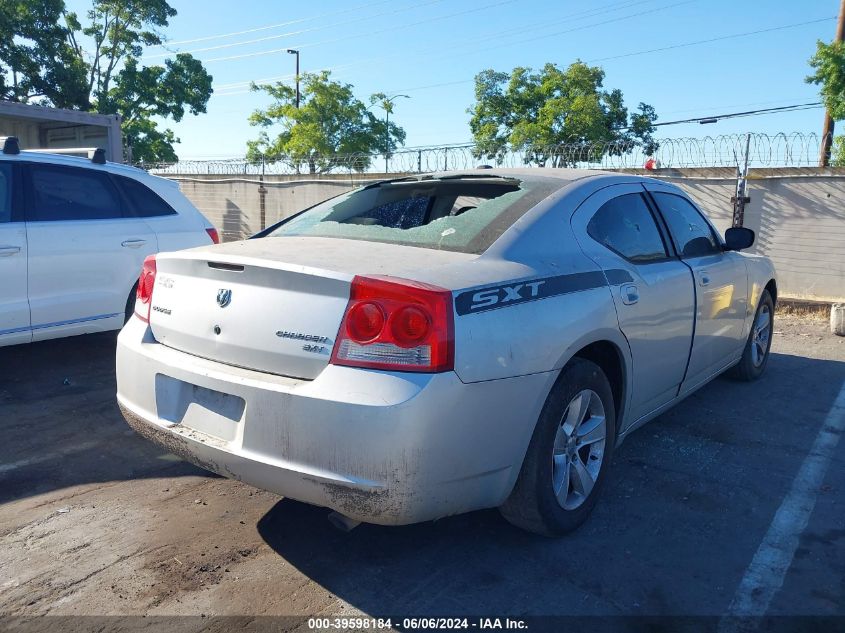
column 95, row 520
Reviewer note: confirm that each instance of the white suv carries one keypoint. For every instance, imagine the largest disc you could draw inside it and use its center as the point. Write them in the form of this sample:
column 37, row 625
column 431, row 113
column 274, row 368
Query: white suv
column 73, row 236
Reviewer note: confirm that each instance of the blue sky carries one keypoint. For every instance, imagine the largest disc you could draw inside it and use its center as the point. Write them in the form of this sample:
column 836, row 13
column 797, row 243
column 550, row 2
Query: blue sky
column 431, row 49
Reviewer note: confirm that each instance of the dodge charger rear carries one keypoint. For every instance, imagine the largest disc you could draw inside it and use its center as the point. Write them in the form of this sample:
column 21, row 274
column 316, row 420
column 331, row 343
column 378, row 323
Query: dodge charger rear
column 421, row 347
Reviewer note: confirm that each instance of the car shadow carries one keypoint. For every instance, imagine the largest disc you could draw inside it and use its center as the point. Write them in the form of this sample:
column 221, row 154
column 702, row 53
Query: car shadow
column 684, row 508
column 60, row 422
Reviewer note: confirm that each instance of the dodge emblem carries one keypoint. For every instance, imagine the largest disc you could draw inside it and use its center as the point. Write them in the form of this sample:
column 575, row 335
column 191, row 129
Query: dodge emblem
column 224, row 297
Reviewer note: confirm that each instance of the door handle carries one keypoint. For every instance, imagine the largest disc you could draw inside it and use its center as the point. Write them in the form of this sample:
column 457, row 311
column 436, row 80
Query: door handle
column 6, row 251
column 704, row 278
column 133, row 243
column 630, row 294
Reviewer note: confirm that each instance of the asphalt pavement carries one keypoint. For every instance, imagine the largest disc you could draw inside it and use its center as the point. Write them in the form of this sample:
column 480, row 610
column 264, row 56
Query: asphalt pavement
column 94, row 520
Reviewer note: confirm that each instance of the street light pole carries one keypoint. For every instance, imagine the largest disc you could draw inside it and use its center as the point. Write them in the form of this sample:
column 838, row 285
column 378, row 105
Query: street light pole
column 294, row 52
column 387, row 104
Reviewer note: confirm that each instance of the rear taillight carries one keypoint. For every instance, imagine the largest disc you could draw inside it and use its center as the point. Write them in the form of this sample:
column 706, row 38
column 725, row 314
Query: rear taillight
column 144, row 295
column 396, row 324
column 214, row 235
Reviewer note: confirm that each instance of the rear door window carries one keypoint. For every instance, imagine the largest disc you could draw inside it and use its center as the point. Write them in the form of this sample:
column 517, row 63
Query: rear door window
column 465, row 214
column 5, row 192
column 62, row 193
column 626, row 226
column 691, row 232
column 141, row 201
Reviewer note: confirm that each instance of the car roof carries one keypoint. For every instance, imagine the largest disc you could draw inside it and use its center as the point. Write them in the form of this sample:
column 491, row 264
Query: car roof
column 565, row 176
column 559, row 173
column 73, row 161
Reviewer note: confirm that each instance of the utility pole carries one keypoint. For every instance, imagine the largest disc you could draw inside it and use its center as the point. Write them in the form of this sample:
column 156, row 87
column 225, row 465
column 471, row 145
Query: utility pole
column 827, row 131
column 741, row 198
column 293, row 52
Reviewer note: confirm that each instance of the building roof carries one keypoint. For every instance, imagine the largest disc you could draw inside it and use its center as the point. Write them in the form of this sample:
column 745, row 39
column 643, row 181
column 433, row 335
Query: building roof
column 43, row 113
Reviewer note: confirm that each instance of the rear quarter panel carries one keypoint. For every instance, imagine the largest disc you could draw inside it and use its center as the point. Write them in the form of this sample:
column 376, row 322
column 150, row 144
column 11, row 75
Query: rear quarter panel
column 533, row 336
column 534, row 333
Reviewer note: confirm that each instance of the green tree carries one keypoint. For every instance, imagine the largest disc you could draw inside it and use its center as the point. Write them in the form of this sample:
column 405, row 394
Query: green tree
column 36, row 61
column 555, row 116
column 829, row 66
column 48, row 56
column 141, row 93
column 331, row 127
column 838, row 151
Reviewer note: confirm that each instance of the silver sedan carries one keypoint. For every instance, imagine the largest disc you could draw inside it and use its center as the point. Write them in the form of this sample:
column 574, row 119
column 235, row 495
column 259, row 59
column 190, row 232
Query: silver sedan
column 442, row 343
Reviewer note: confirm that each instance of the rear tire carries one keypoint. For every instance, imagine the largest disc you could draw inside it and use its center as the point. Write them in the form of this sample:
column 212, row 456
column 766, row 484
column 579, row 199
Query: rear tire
column 755, row 356
column 569, row 454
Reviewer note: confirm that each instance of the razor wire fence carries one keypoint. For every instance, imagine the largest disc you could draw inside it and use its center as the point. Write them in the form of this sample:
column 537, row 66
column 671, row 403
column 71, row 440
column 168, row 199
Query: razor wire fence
column 241, row 197
column 729, row 150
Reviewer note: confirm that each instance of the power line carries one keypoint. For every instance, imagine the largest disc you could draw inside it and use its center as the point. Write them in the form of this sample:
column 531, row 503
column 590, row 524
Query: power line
column 301, row 31
column 587, row 26
column 243, row 87
column 260, row 80
column 557, row 33
column 579, row 15
column 710, row 40
column 575, row 16
column 631, row 54
column 391, row 29
column 735, row 115
column 732, row 105
column 439, row 85
column 643, row 52
column 269, row 26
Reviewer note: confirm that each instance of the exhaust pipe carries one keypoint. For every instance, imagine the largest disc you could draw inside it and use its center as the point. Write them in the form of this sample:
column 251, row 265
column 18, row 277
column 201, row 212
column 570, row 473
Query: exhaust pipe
column 343, row 523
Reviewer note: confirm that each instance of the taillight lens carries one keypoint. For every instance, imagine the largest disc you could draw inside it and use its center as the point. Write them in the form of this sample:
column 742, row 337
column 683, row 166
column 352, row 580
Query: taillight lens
column 214, row 235
column 410, row 325
column 365, row 321
column 144, row 294
column 396, row 324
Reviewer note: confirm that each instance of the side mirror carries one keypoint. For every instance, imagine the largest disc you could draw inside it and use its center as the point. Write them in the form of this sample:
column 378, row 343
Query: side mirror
column 738, row 238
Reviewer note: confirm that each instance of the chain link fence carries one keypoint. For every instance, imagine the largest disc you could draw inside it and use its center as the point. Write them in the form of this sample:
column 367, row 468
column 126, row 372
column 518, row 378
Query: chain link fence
column 764, row 150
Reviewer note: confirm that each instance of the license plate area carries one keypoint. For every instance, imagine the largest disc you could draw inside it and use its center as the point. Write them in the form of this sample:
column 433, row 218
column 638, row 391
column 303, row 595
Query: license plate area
column 205, row 410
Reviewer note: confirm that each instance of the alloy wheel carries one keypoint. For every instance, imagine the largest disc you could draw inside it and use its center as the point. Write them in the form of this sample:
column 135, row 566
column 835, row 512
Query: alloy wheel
column 760, row 335
column 579, row 449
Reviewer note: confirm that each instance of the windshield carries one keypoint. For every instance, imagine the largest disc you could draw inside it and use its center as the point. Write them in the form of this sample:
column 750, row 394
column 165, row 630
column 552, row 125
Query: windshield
column 465, row 214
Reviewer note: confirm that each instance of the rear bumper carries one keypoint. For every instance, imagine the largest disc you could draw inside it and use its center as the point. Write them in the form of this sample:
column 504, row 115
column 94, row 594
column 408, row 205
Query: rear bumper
column 380, row 447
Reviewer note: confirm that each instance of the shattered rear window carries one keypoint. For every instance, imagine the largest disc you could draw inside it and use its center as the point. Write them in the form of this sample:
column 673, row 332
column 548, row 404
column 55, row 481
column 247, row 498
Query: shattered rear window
column 465, row 214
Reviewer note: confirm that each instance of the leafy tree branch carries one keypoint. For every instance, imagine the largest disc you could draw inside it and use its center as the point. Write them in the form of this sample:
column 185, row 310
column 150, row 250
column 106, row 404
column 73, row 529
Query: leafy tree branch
column 48, row 56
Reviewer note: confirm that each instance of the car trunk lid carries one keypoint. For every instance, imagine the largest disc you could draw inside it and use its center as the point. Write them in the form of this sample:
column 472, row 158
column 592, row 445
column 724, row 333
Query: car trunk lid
column 273, row 305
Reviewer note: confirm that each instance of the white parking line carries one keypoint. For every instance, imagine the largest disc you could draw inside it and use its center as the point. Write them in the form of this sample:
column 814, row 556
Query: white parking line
column 765, row 575
column 76, row 448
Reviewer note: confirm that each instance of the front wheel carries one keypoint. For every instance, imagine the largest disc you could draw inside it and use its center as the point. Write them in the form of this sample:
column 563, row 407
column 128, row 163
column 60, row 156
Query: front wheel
column 569, row 454
column 755, row 356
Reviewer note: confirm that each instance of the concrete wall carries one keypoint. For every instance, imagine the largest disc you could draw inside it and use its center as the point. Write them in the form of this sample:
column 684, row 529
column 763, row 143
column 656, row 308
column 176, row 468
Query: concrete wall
column 234, row 204
column 797, row 214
